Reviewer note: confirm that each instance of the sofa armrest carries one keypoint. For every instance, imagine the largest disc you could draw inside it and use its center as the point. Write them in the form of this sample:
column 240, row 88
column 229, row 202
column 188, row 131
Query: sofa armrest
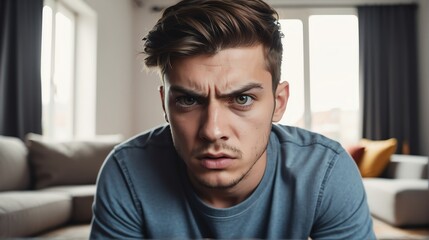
column 407, row 167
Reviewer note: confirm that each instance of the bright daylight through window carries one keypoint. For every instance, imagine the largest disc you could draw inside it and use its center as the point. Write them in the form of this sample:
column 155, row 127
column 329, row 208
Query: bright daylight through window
column 57, row 69
column 321, row 64
column 68, row 69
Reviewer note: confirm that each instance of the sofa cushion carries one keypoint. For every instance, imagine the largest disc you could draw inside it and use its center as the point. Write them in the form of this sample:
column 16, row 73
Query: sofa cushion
column 376, row 156
column 71, row 232
column 407, row 167
column 82, row 198
column 14, row 169
column 67, row 163
column 26, row 213
column 400, row 202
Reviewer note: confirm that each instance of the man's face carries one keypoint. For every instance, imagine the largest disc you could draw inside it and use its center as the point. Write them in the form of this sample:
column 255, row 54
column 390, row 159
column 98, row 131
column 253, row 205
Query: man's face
column 220, row 108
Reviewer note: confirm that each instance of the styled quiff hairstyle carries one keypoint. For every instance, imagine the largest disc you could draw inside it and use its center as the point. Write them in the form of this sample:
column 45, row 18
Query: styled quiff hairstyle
column 195, row 27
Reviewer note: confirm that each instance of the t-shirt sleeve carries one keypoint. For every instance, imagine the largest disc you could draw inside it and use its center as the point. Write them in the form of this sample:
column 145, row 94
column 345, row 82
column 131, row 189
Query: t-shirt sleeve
column 342, row 210
column 116, row 214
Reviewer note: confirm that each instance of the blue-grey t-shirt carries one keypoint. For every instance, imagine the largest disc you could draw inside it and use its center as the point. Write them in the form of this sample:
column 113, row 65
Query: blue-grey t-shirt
column 311, row 188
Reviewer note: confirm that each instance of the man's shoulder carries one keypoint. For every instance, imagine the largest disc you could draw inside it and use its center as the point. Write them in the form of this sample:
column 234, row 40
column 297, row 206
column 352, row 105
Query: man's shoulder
column 153, row 142
column 159, row 136
column 148, row 151
column 295, row 137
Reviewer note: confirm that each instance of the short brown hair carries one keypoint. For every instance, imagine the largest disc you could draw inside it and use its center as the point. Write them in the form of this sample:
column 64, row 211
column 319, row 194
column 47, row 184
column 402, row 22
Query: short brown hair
column 194, row 27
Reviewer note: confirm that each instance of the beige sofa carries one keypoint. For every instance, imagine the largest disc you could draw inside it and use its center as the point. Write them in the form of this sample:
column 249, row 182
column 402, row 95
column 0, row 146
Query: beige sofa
column 45, row 185
column 401, row 196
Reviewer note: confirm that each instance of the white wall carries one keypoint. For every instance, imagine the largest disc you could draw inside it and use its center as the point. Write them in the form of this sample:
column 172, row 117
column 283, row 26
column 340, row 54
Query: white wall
column 127, row 96
column 115, row 66
column 148, row 107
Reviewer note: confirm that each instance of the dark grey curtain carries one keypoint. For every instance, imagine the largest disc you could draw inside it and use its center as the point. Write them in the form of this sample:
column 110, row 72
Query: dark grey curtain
column 20, row 83
column 388, row 61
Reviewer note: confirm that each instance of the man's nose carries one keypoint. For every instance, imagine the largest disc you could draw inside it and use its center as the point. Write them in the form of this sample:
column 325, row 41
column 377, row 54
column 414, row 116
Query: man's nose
column 213, row 123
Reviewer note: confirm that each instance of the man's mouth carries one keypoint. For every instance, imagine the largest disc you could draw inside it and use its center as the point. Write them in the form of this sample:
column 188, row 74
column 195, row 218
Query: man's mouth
column 216, row 160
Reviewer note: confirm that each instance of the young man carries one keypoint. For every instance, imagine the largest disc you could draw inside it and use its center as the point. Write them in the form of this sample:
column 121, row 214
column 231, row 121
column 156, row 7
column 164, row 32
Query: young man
column 220, row 168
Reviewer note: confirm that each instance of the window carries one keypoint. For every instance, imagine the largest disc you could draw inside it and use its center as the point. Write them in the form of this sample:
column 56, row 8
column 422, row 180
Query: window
column 321, row 64
column 65, row 37
column 58, row 49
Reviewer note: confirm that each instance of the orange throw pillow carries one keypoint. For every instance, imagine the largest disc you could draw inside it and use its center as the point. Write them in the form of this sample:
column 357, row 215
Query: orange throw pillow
column 376, row 156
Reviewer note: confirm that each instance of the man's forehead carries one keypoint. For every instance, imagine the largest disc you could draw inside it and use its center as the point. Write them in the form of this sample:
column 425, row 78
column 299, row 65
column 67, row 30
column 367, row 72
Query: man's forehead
column 223, row 56
column 225, row 70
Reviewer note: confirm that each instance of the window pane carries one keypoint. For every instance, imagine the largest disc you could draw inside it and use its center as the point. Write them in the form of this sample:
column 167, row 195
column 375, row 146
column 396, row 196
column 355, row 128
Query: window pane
column 293, row 70
column 64, row 75
column 334, row 76
column 46, row 65
column 69, row 31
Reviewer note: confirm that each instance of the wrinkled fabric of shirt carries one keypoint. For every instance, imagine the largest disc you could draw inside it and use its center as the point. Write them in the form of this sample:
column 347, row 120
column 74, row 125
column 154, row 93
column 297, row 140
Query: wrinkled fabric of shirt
column 311, row 188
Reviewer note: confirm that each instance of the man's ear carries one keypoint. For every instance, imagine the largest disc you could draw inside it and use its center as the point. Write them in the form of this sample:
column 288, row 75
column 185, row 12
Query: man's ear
column 162, row 95
column 281, row 97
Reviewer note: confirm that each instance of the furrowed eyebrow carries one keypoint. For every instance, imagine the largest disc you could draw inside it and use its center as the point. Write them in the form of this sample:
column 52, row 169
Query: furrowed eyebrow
column 233, row 93
column 241, row 90
column 186, row 91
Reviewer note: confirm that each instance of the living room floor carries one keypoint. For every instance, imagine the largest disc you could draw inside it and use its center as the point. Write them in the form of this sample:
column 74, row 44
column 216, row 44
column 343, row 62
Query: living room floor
column 382, row 231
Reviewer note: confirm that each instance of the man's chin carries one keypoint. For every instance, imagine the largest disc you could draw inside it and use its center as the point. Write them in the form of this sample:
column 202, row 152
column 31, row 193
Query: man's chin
column 217, row 184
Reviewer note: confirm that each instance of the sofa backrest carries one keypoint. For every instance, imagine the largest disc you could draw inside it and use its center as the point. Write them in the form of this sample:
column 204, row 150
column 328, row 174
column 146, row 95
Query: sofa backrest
column 407, row 167
column 74, row 162
column 14, row 167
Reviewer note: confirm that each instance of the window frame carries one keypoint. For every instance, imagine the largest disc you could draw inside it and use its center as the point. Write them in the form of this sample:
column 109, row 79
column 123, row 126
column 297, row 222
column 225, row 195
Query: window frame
column 84, row 69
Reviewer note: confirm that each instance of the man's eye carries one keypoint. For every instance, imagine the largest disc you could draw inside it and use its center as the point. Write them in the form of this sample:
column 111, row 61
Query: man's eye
column 186, row 101
column 244, row 100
